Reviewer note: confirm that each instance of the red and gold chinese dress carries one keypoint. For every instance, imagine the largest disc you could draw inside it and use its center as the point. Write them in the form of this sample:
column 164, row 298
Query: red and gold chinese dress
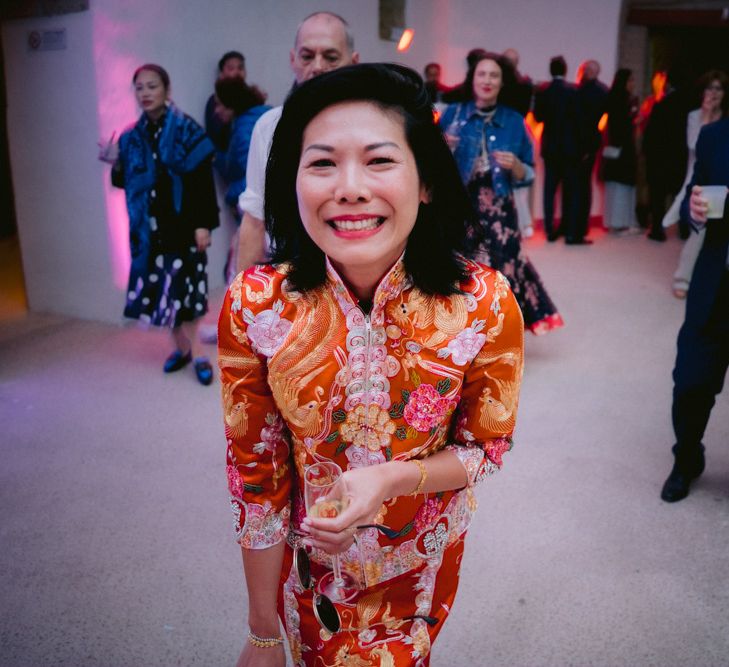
column 309, row 377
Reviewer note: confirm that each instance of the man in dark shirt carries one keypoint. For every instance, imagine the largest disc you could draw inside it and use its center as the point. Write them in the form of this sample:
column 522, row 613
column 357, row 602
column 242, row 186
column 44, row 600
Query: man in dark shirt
column 556, row 105
column 666, row 153
column 217, row 117
column 592, row 95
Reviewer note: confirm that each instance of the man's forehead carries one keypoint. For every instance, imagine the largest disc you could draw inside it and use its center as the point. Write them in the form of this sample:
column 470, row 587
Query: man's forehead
column 322, row 33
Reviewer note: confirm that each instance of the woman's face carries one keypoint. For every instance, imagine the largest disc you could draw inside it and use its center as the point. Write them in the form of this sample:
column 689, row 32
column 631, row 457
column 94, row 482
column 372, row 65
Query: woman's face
column 713, row 96
column 151, row 93
column 630, row 85
column 358, row 188
column 486, row 83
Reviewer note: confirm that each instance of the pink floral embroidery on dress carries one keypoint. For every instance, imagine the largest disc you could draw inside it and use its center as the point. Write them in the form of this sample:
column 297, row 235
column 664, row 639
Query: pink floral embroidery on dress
column 235, row 482
column 362, row 457
column 496, row 448
column 466, row 345
column 427, row 513
column 267, row 330
column 426, row 408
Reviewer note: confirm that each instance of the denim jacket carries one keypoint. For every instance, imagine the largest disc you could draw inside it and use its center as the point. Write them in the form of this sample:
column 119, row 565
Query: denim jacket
column 505, row 132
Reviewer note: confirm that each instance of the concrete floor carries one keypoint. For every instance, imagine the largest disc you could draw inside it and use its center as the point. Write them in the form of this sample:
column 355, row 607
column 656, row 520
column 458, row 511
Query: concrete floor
column 116, row 538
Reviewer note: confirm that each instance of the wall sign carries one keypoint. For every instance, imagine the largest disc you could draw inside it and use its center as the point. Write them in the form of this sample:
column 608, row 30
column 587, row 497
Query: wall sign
column 47, row 40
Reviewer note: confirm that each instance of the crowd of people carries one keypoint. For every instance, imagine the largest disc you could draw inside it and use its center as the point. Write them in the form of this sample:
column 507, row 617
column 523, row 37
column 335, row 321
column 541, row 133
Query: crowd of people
column 371, row 338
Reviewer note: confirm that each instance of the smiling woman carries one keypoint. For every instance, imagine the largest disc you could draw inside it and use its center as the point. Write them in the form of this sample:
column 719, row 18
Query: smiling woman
column 370, row 346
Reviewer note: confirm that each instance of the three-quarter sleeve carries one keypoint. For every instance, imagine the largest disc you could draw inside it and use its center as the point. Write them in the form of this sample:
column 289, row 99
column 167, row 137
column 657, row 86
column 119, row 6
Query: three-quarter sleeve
column 487, row 411
column 258, row 461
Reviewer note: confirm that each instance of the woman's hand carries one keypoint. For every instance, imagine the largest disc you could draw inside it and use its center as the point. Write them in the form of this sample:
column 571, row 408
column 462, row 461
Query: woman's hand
column 252, row 656
column 202, row 239
column 367, row 488
column 506, row 159
column 698, row 205
column 109, row 150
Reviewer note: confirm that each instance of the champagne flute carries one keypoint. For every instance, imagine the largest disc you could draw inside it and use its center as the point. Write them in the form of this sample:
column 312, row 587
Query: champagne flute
column 325, row 497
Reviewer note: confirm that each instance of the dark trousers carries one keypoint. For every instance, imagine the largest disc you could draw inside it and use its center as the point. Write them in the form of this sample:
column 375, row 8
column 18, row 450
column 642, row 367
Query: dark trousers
column 661, row 195
column 701, row 365
column 564, row 172
column 584, row 195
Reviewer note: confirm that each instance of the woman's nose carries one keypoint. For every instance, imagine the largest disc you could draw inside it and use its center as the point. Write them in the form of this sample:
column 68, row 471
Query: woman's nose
column 351, row 186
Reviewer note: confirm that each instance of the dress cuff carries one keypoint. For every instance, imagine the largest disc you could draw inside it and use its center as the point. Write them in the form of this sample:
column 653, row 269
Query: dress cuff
column 259, row 526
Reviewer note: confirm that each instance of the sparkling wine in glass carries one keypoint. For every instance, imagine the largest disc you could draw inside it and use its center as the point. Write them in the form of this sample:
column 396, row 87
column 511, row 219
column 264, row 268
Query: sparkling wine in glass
column 325, row 497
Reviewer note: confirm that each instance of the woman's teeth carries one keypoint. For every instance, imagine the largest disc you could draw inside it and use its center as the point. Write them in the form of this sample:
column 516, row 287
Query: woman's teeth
column 356, row 225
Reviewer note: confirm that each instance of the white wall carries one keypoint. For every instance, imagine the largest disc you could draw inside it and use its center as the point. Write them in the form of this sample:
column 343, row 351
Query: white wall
column 73, row 225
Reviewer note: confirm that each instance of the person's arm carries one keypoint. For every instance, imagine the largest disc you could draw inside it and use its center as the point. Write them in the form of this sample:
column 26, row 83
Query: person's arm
column 258, row 459
column 252, row 235
column 694, row 206
column 484, row 423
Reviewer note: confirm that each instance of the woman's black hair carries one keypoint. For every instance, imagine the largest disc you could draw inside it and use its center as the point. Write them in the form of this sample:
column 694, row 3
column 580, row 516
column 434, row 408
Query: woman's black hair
column 508, row 73
column 619, row 95
column 444, row 227
column 157, row 69
column 237, row 95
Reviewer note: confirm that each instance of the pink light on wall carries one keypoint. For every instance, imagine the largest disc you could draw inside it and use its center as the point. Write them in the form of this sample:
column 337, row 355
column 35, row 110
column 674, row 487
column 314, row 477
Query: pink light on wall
column 116, row 110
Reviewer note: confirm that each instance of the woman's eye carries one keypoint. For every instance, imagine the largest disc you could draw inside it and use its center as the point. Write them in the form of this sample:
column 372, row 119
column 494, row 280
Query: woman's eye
column 322, row 162
column 381, row 160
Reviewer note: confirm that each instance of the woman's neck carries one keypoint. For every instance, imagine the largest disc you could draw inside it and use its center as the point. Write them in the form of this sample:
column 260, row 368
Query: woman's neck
column 486, row 106
column 709, row 115
column 155, row 115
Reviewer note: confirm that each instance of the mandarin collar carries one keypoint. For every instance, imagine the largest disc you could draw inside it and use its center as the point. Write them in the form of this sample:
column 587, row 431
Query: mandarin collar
column 390, row 286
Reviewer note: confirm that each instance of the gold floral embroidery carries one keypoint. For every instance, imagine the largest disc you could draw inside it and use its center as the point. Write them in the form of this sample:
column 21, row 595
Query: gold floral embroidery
column 235, row 411
column 369, row 427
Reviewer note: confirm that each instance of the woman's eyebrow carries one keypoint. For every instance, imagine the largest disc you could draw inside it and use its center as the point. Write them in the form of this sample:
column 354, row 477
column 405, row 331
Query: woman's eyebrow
column 382, row 144
column 368, row 147
column 319, row 147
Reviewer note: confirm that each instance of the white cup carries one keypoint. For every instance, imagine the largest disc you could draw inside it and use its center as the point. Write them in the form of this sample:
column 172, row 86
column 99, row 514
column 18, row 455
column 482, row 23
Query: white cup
column 715, row 195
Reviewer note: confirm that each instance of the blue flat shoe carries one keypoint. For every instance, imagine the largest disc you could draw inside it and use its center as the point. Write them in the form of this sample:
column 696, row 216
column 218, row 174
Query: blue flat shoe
column 203, row 370
column 177, row 360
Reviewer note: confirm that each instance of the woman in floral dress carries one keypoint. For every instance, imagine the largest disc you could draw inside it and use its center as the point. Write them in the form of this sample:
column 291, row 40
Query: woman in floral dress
column 495, row 155
column 372, row 343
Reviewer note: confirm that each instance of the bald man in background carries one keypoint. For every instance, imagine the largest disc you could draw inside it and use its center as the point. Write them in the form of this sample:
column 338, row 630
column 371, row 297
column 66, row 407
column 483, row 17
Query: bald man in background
column 323, row 42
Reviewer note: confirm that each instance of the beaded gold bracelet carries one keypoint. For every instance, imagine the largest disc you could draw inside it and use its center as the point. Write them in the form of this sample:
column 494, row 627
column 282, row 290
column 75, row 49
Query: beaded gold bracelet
column 423, row 476
column 263, row 642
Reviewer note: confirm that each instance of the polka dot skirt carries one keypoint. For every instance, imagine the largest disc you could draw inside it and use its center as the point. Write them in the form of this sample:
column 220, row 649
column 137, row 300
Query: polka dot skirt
column 175, row 290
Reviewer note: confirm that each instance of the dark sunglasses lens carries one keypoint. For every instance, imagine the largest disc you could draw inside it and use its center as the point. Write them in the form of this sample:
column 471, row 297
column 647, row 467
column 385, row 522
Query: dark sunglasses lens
column 303, row 568
column 326, row 613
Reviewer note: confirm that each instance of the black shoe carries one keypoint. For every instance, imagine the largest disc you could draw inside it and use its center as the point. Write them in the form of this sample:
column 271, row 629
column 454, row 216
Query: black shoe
column 676, row 487
column 177, row 360
column 203, row 370
column 578, row 241
column 656, row 235
column 552, row 236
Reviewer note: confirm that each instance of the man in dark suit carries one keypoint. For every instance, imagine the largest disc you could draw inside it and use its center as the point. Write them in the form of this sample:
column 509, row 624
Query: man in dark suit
column 703, row 342
column 593, row 96
column 556, row 105
column 666, row 153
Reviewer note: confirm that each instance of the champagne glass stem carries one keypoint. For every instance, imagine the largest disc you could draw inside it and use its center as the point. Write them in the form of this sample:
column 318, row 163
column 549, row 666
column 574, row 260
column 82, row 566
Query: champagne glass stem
column 338, row 580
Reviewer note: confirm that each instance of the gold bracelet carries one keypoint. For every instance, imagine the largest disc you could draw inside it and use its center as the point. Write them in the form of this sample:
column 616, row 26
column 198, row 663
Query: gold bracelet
column 263, row 642
column 423, row 476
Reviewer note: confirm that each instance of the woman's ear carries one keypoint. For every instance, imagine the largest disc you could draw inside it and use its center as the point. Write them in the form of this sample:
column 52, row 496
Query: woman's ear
column 425, row 197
